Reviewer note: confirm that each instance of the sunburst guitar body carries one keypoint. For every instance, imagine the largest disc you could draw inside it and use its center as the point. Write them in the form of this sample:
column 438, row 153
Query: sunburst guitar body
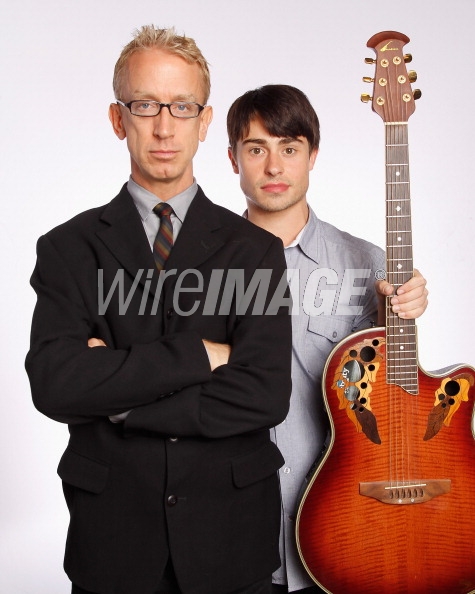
column 390, row 507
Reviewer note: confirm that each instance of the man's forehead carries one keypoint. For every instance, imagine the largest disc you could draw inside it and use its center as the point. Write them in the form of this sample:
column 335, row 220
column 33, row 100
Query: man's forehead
column 148, row 67
column 258, row 132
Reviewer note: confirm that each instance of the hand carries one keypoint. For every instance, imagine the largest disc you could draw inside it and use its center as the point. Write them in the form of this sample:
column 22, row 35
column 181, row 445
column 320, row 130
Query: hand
column 218, row 353
column 95, row 342
column 410, row 300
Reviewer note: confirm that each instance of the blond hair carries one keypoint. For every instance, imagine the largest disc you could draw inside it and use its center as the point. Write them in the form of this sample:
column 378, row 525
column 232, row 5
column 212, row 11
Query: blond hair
column 149, row 37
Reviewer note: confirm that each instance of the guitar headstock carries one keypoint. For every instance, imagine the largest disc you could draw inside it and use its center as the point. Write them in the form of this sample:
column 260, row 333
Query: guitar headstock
column 393, row 98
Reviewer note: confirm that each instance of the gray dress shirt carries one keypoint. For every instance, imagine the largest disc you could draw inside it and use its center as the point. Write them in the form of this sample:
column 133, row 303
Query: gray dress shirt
column 145, row 201
column 331, row 274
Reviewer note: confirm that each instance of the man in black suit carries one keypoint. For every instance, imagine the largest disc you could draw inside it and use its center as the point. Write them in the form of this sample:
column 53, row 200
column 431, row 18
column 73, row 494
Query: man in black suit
column 169, row 474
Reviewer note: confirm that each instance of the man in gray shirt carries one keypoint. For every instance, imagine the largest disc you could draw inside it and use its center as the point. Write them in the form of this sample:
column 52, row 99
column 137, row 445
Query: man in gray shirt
column 274, row 137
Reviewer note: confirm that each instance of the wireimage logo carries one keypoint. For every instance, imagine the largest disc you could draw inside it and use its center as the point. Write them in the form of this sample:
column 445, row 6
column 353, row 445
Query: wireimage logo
column 323, row 294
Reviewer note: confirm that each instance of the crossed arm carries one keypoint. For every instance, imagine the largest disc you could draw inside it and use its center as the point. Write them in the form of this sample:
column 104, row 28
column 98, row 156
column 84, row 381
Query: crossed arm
column 218, row 354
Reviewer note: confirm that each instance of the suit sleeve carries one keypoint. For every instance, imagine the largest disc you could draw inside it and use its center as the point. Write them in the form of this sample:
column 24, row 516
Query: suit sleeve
column 73, row 383
column 252, row 391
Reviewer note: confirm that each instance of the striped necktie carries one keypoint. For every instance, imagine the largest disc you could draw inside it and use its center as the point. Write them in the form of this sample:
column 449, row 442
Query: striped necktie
column 164, row 240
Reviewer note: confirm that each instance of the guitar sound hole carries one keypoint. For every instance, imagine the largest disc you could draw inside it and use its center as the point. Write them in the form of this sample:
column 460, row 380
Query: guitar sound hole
column 367, row 354
column 452, row 388
column 353, row 371
column 352, row 393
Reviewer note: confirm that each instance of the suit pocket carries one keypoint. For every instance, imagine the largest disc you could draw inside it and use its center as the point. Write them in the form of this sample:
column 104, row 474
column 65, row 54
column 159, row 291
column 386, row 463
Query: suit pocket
column 79, row 471
column 256, row 466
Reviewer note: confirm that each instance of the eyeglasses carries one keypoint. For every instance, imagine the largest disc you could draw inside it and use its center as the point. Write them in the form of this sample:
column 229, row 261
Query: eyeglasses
column 149, row 109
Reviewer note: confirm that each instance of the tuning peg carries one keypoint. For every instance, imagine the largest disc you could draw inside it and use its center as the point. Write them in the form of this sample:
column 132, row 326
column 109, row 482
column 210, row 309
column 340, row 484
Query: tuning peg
column 366, row 98
column 417, row 94
column 412, row 75
column 368, row 79
column 407, row 58
column 370, row 61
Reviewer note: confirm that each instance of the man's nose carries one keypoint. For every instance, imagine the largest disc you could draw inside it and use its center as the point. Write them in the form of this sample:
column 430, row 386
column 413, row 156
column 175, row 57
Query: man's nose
column 274, row 165
column 164, row 123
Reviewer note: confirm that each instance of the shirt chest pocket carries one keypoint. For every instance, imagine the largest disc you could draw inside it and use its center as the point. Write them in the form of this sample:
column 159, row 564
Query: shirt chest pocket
column 323, row 333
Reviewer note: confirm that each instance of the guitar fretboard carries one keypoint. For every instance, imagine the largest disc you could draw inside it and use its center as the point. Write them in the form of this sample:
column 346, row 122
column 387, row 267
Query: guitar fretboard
column 401, row 356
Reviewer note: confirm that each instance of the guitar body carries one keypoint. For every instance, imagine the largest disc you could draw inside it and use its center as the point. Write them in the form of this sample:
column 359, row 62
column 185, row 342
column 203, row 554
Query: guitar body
column 390, row 508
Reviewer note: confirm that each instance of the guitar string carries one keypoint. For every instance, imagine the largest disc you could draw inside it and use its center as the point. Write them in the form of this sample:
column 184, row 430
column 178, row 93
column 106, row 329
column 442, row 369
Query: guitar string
column 400, row 356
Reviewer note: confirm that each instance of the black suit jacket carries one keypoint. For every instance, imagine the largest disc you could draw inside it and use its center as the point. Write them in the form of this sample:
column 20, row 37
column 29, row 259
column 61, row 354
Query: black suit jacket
column 191, row 473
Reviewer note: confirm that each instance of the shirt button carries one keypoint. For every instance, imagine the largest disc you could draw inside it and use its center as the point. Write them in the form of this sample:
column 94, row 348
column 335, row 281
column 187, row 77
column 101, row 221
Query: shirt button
column 335, row 334
column 172, row 500
column 170, row 313
column 286, row 470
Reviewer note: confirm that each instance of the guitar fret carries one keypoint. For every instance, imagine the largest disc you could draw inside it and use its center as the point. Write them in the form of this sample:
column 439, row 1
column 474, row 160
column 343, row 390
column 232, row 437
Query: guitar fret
column 398, row 272
column 401, row 349
column 400, row 334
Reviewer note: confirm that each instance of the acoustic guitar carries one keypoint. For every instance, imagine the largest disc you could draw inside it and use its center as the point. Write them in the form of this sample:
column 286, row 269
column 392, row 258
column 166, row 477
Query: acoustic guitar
column 390, row 506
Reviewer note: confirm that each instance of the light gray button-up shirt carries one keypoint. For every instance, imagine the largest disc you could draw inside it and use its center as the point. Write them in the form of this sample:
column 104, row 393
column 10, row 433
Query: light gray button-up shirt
column 331, row 274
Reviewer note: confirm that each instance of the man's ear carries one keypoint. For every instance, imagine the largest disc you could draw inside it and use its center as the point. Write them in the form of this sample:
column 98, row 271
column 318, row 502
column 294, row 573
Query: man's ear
column 313, row 156
column 205, row 120
column 233, row 160
column 115, row 116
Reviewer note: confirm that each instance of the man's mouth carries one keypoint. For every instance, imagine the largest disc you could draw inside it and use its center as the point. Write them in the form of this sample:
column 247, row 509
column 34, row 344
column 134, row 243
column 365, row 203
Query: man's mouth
column 275, row 188
column 164, row 154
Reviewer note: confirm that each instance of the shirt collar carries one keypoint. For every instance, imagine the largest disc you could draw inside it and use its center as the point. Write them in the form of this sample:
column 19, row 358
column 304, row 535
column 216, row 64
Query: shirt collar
column 309, row 238
column 145, row 201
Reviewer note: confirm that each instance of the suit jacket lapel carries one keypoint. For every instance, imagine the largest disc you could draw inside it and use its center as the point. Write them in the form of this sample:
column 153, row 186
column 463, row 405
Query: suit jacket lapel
column 124, row 236
column 199, row 237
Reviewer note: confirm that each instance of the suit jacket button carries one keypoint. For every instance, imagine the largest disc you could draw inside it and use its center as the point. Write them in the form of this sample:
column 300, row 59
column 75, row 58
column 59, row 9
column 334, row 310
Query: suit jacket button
column 170, row 313
column 172, row 500
column 173, row 439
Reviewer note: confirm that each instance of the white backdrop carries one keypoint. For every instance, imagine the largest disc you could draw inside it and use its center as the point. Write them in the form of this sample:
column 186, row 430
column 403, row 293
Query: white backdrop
column 60, row 157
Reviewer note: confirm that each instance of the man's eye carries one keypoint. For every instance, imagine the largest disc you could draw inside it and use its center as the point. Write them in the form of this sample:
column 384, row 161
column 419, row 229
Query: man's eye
column 182, row 108
column 256, row 150
column 143, row 106
column 289, row 150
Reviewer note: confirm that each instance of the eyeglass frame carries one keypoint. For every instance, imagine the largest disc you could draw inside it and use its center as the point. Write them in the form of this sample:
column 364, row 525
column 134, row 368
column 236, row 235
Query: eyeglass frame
column 161, row 105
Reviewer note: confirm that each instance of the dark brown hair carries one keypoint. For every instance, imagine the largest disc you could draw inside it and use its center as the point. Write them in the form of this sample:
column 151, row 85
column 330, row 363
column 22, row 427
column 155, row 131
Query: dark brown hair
column 283, row 110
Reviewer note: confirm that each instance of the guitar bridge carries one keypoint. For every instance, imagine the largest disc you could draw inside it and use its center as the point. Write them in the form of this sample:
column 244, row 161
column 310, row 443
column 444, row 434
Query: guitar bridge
column 406, row 493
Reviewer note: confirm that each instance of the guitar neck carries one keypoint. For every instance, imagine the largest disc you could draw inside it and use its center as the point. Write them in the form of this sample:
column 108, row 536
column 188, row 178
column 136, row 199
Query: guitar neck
column 402, row 366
